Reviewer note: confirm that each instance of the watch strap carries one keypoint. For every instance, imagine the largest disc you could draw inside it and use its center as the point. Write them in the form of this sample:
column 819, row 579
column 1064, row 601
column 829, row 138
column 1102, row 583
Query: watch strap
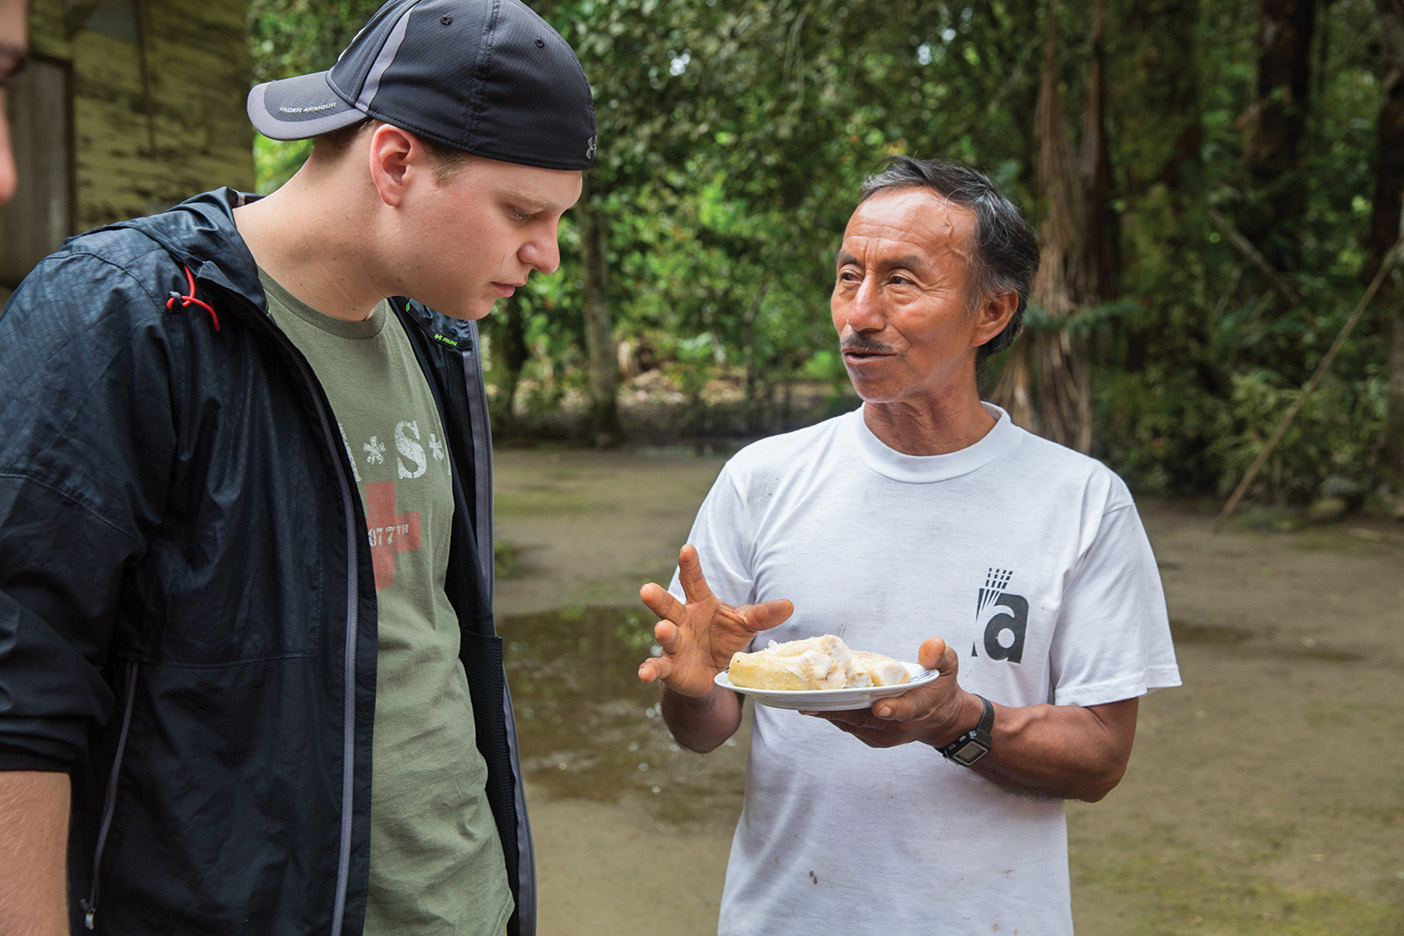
column 975, row 743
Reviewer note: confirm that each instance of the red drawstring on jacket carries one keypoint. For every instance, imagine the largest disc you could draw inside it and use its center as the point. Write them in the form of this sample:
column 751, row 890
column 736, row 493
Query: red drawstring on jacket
column 186, row 301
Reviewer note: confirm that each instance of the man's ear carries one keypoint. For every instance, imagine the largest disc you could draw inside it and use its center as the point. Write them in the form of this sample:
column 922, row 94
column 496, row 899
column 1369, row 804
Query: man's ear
column 994, row 314
column 390, row 155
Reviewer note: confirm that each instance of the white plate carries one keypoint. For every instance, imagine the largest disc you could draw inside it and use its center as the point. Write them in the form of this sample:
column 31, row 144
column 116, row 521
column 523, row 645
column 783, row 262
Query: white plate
column 829, row 700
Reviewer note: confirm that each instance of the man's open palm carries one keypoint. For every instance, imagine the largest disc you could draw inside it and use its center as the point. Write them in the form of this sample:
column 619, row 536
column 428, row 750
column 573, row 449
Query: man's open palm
column 699, row 637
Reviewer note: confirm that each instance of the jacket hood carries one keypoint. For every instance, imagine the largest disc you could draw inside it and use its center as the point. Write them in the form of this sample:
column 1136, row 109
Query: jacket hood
column 200, row 233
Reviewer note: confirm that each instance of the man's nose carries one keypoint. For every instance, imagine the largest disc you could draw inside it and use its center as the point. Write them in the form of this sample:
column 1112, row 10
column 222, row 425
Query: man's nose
column 542, row 252
column 865, row 311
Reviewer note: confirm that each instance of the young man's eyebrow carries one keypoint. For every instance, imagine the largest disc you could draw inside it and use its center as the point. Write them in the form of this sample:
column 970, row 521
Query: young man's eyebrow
column 525, row 200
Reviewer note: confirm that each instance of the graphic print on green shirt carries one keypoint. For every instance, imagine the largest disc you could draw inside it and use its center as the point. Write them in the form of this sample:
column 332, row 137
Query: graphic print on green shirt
column 436, row 865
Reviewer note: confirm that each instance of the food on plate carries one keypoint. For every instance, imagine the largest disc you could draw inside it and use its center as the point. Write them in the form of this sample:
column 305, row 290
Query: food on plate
column 880, row 670
column 812, row 663
column 823, row 662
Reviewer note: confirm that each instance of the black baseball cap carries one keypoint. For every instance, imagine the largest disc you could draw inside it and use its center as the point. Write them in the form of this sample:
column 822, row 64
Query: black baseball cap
column 489, row 77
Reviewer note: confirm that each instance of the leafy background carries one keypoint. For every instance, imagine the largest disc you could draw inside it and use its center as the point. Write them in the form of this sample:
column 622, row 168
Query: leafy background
column 1244, row 198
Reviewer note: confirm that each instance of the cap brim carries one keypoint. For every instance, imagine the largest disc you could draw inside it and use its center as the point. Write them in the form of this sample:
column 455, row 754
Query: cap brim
column 299, row 108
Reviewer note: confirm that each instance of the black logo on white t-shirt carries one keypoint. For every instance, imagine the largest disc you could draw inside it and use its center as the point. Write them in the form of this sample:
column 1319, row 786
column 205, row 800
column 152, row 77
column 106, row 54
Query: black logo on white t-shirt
column 1004, row 617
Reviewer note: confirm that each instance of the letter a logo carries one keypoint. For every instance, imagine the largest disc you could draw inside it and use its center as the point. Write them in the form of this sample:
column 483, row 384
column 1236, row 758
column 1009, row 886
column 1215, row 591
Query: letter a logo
column 1004, row 616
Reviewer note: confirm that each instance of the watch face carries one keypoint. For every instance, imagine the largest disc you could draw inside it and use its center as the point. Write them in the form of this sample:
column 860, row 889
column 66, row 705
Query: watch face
column 969, row 752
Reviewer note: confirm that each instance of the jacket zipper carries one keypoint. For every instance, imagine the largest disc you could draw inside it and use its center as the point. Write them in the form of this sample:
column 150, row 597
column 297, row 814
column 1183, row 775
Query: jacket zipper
column 482, row 455
column 353, row 618
column 480, row 428
column 109, row 805
column 348, row 714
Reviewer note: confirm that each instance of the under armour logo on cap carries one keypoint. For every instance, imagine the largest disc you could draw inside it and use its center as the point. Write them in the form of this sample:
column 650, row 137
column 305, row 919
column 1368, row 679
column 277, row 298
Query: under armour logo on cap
column 590, row 149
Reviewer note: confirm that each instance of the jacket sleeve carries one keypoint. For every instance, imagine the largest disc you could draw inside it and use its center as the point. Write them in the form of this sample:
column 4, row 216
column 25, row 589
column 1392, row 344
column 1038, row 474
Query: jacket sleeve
column 86, row 436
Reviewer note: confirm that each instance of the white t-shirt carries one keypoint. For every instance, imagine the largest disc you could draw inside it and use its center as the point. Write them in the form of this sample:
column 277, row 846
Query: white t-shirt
column 1030, row 560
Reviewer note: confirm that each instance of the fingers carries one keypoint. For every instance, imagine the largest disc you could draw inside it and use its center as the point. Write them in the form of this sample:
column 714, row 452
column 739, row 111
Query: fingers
column 660, row 668
column 845, row 717
column 861, row 725
column 654, row 669
column 898, row 709
column 768, row 614
column 657, row 599
column 690, row 576
column 666, row 633
column 909, row 709
column 933, row 654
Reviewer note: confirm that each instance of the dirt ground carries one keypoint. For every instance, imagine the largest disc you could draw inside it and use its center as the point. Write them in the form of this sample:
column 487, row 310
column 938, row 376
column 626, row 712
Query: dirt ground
column 1266, row 796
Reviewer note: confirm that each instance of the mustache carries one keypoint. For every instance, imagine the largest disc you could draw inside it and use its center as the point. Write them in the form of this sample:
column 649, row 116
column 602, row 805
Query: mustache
column 864, row 345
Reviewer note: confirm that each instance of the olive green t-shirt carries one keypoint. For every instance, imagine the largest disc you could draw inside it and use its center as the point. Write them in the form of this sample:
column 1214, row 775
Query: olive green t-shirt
column 436, row 865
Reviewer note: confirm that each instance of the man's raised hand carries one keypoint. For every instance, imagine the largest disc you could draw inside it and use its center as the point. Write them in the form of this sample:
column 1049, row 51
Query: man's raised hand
column 698, row 638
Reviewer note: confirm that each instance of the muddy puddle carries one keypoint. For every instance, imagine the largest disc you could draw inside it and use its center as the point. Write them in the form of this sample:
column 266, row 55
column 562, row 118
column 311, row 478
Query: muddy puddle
column 590, row 730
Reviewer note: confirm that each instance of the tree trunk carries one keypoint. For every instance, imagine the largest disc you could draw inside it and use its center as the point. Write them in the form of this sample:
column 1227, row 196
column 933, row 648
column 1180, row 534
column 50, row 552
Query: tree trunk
column 1160, row 101
column 1274, row 128
column 1385, row 226
column 1047, row 384
column 1159, row 143
column 604, row 426
column 1101, row 257
column 754, row 383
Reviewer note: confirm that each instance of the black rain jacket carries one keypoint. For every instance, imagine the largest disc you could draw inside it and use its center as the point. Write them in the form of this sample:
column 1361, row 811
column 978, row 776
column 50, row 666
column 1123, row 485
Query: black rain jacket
column 187, row 602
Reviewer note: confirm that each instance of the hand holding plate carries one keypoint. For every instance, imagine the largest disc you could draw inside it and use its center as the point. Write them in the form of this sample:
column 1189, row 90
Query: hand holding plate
column 933, row 712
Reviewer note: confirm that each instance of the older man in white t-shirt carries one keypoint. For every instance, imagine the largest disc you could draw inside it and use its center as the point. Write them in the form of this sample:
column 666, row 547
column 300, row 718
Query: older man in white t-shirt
column 924, row 521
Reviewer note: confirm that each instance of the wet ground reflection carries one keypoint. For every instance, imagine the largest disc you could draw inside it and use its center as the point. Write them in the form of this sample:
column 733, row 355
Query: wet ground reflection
column 590, row 730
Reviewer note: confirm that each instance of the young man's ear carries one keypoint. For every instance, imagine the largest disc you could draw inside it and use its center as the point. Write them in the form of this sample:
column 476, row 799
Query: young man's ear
column 391, row 152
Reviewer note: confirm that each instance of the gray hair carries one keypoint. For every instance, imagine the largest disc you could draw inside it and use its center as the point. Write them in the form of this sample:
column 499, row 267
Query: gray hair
column 1005, row 257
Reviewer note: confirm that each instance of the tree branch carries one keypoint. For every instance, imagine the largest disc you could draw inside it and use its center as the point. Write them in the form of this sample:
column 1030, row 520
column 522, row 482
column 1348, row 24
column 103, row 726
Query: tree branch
column 1246, row 248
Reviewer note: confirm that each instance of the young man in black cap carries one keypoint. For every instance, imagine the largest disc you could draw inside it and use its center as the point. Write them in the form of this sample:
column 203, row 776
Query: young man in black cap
column 248, row 676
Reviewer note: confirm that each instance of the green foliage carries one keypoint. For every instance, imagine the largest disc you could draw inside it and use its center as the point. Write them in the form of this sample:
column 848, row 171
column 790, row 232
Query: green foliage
column 733, row 136
column 293, row 37
column 1188, row 393
column 1156, row 427
column 275, row 161
column 1327, row 451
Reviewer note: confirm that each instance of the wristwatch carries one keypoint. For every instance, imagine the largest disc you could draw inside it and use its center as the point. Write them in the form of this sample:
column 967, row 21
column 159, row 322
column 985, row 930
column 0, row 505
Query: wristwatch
column 975, row 743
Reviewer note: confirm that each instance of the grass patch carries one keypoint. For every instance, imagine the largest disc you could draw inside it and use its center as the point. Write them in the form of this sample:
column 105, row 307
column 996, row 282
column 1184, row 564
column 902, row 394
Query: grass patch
column 539, row 501
column 1179, row 891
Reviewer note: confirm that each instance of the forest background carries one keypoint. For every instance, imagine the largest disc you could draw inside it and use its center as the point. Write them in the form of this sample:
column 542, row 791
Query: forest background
column 1216, row 185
